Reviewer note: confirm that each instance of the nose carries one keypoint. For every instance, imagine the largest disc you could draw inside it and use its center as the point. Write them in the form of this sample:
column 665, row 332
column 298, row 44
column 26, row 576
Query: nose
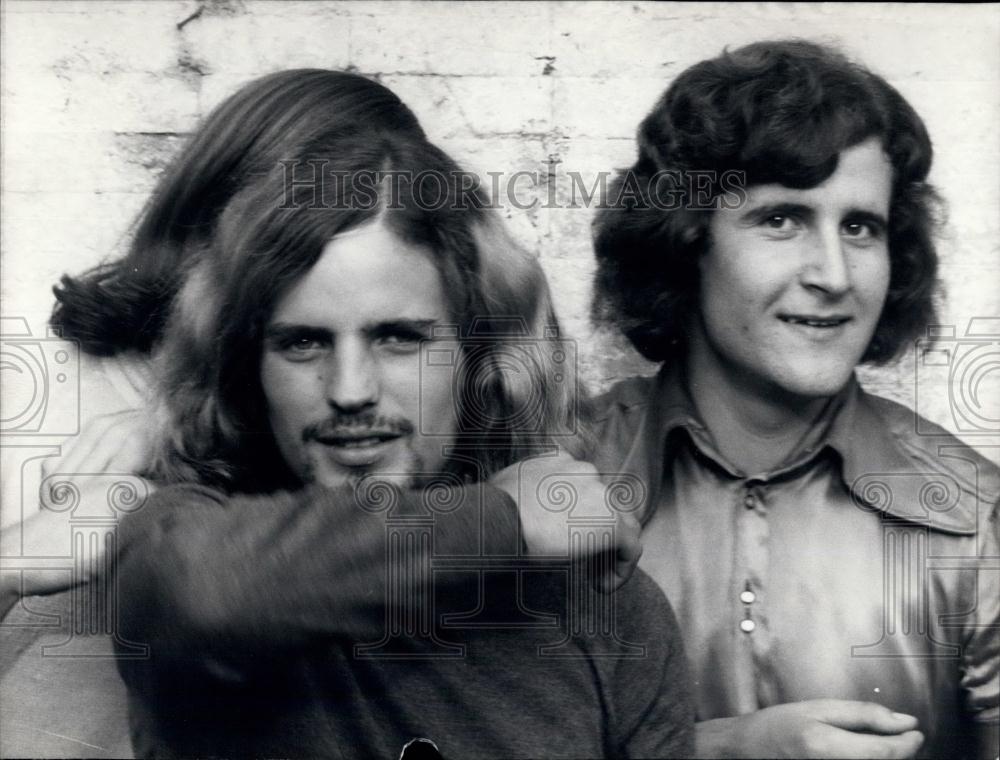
column 352, row 382
column 825, row 267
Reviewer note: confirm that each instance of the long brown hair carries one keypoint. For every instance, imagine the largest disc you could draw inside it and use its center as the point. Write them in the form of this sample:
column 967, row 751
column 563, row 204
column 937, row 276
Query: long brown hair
column 124, row 304
column 511, row 398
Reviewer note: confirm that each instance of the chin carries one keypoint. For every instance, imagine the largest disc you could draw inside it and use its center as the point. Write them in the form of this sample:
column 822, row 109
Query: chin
column 812, row 388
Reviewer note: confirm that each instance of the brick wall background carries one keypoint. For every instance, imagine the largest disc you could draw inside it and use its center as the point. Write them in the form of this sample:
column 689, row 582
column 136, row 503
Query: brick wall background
column 98, row 95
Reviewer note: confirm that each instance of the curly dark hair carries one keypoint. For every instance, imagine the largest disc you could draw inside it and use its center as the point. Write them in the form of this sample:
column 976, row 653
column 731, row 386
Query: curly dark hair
column 779, row 112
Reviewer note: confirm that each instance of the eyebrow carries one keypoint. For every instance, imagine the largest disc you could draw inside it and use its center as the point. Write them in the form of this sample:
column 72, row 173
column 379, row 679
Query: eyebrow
column 278, row 331
column 866, row 215
column 401, row 325
column 755, row 213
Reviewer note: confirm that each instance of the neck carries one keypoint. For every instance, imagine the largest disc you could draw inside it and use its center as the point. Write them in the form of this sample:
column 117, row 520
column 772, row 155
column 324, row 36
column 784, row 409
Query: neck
column 754, row 426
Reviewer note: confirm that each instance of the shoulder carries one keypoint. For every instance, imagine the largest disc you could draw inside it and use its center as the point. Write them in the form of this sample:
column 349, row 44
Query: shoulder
column 926, row 442
column 643, row 618
column 616, row 416
column 626, row 397
column 644, row 605
column 967, row 483
column 643, row 668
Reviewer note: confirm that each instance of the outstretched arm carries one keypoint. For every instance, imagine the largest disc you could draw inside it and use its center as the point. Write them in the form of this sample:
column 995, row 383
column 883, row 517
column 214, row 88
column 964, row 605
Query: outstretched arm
column 236, row 580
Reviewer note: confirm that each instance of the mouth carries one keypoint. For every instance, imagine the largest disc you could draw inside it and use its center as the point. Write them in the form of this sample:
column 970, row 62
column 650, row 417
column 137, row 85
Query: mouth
column 357, row 440
column 357, row 448
column 817, row 321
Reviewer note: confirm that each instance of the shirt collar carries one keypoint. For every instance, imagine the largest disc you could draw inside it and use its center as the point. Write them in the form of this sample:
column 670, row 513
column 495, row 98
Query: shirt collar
column 675, row 410
column 883, row 474
column 874, row 465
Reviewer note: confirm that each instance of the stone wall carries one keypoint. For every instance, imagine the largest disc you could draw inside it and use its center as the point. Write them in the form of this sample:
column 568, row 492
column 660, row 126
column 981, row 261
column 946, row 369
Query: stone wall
column 97, row 96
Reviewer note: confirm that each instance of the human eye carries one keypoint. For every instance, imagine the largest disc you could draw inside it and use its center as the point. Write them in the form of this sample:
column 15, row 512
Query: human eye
column 300, row 345
column 863, row 230
column 777, row 221
column 297, row 346
column 400, row 339
column 780, row 224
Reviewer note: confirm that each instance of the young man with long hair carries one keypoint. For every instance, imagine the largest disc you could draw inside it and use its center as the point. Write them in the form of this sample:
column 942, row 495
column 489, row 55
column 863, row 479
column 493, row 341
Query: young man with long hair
column 340, row 378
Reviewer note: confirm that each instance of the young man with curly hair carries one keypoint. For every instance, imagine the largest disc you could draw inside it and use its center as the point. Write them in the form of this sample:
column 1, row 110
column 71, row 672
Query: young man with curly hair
column 793, row 519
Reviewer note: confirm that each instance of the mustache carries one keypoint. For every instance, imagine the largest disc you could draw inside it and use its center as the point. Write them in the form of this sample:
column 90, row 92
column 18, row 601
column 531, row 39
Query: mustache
column 361, row 424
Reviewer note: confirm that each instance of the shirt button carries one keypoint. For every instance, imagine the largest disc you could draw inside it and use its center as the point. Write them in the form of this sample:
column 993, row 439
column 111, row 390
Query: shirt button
column 748, row 501
column 748, row 597
column 747, row 626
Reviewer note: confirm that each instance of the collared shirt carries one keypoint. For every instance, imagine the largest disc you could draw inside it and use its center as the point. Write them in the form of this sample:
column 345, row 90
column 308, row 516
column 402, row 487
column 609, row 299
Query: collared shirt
column 865, row 567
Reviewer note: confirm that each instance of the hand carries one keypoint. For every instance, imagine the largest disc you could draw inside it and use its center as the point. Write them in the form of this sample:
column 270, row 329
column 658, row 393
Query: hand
column 110, row 443
column 77, row 484
column 545, row 527
column 820, row 728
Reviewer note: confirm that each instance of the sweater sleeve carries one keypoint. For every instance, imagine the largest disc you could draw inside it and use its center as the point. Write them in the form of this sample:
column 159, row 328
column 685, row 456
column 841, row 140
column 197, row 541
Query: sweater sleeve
column 655, row 709
column 230, row 583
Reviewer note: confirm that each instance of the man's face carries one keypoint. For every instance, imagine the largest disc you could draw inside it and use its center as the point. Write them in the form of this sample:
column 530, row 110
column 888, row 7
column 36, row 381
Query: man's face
column 341, row 363
column 793, row 282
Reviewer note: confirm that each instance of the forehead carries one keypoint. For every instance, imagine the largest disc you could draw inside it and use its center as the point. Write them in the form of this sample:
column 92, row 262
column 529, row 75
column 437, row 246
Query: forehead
column 363, row 276
column 862, row 180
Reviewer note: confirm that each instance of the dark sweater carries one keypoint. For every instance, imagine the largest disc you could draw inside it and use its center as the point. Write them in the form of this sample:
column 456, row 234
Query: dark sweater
column 268, row 619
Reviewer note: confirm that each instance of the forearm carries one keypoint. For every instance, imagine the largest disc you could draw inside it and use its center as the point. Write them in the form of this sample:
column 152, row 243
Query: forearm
column 987, row 741
column 9, row 593
column 716, row 738
column 242, row 576
column 10, row 581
